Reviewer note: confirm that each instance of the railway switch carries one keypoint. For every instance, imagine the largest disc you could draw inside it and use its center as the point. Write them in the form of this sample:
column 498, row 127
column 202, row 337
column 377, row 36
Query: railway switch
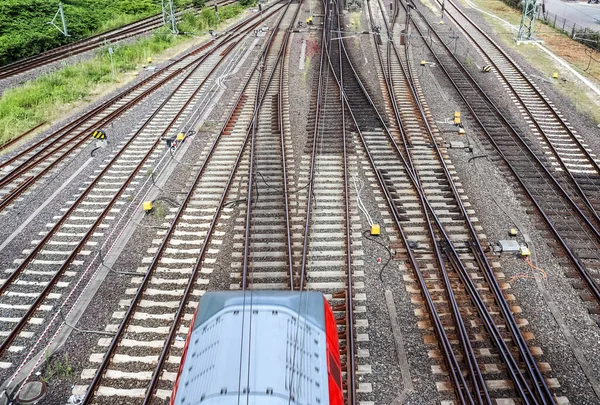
column 147, row 205
column 375, row 230
column 423, row 63
column 512, row 232
column 555, row 75
column 461, row 131
column 149, row 59
column 180, row 137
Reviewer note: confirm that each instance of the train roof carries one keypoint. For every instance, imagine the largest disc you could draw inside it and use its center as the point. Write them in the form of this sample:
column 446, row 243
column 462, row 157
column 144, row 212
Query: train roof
column 256, row 349
column 308, row 303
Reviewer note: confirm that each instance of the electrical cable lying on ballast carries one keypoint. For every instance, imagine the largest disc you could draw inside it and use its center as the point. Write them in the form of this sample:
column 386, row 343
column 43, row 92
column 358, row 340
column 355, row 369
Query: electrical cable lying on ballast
column 121, row 273
column 76, row 329
column 522, row 275
column 367, row 234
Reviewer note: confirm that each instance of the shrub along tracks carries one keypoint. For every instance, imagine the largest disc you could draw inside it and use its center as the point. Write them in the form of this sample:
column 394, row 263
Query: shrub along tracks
column 96, row 41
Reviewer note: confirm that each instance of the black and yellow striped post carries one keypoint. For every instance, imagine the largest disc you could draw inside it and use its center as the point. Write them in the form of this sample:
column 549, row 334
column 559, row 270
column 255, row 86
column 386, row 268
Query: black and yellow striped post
column 99, row 135
column 486, row 68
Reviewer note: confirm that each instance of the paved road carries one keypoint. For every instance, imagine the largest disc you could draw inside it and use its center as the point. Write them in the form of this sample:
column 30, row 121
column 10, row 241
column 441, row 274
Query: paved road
column 581, row 13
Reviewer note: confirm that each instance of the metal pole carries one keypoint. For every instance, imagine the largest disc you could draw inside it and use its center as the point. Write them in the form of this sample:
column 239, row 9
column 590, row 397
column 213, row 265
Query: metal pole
column 443, row 8
column 527, row 20
column 217, row 13
column 172, row 13
column 408, row 6
column 112, row 63
column 60, row 12
column 62, row 17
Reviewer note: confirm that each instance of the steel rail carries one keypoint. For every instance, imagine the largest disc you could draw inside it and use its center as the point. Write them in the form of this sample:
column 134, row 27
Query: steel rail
column 254, row 124
column 29, row 163
column 539, row 383
column 14, row 332
column 477, row 380
column 531, row 84
column 465, row 396
column 349, row 322
column 350, row 350
column 518, row 378
column 532, row 368
column 284, row 167
column 258, row 102
column 456, row 373
column 542, row 132
column 594, row 288
column 155, row 261
column 504, row 121
column 315, row 136
column 465, row 277
column 71, row 49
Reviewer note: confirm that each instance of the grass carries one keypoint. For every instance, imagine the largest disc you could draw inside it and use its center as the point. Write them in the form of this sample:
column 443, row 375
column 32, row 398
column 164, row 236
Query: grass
column 207, row 18
column 45, row 98
column 119, row 21
column 54, row 367
column 159, row 210
column 54, row 94
column 560, row 44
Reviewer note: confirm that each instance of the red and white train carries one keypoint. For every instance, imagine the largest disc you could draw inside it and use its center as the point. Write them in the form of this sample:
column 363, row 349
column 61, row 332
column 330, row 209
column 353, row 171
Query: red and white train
column 261, row 348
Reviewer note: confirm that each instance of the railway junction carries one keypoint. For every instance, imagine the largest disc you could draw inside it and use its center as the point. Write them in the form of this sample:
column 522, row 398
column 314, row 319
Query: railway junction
column 395, row 156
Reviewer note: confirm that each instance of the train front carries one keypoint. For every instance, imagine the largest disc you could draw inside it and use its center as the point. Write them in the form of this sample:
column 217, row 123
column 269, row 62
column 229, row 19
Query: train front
column 261, row 348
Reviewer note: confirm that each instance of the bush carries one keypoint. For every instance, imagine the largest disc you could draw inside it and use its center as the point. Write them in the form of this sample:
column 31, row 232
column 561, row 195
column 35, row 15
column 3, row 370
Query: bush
column 24, row 31
column 207, row 19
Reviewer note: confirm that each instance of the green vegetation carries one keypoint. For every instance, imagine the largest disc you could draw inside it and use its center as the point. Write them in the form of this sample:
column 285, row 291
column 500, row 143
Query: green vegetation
column 54, row 367
column 49, row 96
column 24, row 31
column 41, row 99
column 207, row 18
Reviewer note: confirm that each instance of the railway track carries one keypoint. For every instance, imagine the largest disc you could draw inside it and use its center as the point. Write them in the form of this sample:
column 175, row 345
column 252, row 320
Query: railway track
column 164, row 300
column 565, row 150
column 553, row 193
column 265, row 254
column 75, row 48
column 441, row 245
column 24, row 169
column 58, row 267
